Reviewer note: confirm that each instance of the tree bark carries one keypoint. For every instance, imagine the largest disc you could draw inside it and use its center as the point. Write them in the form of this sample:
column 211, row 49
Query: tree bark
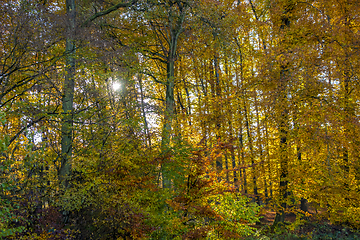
column 262, row 162
column 282, row 108
column 175, row 29
column 252, row 154
column 67, row 103
column 68, row 98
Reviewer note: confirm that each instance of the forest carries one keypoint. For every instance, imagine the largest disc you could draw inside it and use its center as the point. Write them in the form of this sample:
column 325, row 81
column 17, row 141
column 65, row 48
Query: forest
column 179, row 119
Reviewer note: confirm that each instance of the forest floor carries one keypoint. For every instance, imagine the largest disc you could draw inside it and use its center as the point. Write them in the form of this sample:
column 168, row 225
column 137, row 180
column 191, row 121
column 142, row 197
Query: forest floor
column 315, row 227
column 269, row 216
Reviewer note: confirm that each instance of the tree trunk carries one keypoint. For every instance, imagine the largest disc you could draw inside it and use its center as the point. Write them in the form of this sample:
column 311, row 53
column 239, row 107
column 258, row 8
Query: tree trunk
column 168, row 117
column 282, row 108
column 242, row 163
column 67, row 103
column 146, row 127
column 262, row 162
column 268, row 157
column 68, row 98
column 252, row 154
column 217, row 113
column 175, row 30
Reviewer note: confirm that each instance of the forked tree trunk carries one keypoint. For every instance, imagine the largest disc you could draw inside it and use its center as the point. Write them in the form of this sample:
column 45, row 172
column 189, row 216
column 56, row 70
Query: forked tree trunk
column 175, row 29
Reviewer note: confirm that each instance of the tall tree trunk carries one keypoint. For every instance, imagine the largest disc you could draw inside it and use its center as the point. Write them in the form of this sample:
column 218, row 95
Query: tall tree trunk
column 67, row 102
column 282, row 108
column 239, row 83
column 217, row 113
column 68, row 98
column 252, row 154
column 168, row 115
column 303, row 201
column 349, row 110
column 175, row 29
column 267, row 139
column 259, row 137
column 242, row 163
column 230, row 114
column 283, row 156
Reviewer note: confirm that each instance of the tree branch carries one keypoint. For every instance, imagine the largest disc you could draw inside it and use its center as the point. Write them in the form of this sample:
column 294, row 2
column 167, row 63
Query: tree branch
column 24, row 128
column 107, row 11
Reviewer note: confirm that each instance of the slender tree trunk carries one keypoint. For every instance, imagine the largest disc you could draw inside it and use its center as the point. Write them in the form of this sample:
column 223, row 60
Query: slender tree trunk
column 268, row 159
column 217, row 113
column 188, row 101
column 252, row 154
column 147, row 130
column 347, row 131
column 232, row 154
column 242, row 154
column 262, row 162
column 229, row 112
column 233, row 162
column 349, row 112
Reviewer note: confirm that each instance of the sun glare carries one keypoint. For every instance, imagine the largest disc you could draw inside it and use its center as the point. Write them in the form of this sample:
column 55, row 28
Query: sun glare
column 116, row 86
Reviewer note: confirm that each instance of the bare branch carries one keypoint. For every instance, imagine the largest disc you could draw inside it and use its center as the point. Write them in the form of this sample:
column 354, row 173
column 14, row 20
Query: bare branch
column 107, row 11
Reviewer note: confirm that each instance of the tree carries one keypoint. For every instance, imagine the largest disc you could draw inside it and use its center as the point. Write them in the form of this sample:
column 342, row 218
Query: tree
column 68, row 95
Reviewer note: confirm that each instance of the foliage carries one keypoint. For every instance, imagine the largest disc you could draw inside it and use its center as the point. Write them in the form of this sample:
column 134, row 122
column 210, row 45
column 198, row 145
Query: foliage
column 8, row 217
column 236, row 213
column 224, row 106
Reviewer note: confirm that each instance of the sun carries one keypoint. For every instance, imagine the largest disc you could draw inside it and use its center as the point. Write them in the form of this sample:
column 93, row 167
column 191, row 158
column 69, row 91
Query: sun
column 116, row 86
